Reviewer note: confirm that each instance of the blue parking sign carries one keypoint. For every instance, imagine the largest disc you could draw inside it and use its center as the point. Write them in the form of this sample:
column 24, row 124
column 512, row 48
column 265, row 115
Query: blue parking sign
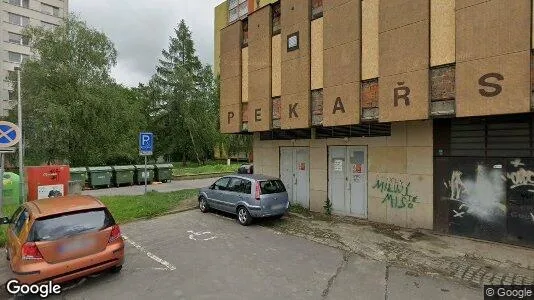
column 146, row 143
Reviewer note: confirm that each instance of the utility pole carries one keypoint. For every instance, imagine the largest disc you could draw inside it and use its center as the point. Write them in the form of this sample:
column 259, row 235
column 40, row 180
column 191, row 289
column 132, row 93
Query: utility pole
column 21, row 148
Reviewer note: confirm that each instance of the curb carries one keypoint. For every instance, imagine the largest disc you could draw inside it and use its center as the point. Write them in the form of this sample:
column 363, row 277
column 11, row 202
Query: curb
column 201, row 176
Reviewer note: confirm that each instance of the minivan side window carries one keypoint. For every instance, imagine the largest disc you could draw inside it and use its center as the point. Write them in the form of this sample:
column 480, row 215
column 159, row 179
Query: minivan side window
column 247, row 187
column 19, row 223
column 221, row 184
column 235, row 185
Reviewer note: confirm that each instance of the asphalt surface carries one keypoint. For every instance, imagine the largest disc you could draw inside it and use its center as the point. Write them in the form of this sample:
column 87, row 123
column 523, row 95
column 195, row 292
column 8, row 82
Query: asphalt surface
column 162, row 187
column 191, row 255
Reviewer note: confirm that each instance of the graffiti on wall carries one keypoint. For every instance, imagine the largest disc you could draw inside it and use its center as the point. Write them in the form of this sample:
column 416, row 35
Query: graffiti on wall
column 396, row 192
column 488, row 198
column 480, row 196
column 521, row 177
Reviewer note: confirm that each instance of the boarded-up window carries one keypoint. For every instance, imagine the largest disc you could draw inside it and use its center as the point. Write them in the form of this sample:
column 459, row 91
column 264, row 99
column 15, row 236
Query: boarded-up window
column 276, row 18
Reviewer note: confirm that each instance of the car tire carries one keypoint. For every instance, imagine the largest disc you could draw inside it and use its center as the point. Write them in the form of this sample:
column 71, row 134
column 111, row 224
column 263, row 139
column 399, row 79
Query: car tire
column 203, row 205
column 116, row 269
column 243, row 216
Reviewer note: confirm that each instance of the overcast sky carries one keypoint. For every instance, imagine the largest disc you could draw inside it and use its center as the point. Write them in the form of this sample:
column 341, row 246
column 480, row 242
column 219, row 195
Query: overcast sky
column 140, row 29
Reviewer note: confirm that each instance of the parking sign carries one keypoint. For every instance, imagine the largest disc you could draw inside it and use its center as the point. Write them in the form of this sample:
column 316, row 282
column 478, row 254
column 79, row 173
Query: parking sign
column 146, row 143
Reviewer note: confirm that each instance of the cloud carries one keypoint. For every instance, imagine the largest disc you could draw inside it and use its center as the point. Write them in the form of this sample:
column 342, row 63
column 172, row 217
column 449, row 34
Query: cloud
column 141, row 29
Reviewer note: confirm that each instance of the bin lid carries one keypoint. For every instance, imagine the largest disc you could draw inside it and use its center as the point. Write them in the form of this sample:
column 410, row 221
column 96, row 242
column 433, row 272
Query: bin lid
column 117, row 168
column 142, row 167
column 164, row 166
column 93, row 169
column 78, row 170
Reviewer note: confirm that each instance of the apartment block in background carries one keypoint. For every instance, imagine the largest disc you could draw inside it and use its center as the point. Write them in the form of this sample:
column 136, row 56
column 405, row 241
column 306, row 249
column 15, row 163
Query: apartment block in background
column 14, row 47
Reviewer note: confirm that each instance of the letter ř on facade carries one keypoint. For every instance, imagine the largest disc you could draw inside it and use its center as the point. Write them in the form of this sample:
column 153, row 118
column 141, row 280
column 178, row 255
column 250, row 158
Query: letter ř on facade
column 493, row 58
column 296, row 68
column 404, row 59
column 342, row 45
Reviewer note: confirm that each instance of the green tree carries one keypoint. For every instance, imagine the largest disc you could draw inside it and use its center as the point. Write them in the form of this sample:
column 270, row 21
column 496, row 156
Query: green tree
column 73, row 111
column 183, row 101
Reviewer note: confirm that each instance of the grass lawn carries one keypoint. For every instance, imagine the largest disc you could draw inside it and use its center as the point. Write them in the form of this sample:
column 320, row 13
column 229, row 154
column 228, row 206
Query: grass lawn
column 196, row 169
column 128, row 208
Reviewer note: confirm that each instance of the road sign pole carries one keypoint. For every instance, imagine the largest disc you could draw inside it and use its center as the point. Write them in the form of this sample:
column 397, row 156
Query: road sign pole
column 1, row 184
column 21, row 151
column 146, row 175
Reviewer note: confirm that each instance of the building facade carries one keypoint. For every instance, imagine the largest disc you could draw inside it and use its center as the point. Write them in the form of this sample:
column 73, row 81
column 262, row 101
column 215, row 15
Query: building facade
column 416, row 113
column 16, row 15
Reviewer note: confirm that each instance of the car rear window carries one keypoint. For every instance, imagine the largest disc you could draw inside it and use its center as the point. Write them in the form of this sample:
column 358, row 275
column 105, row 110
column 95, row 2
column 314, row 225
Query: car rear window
column 272, row 187
column 64, row 225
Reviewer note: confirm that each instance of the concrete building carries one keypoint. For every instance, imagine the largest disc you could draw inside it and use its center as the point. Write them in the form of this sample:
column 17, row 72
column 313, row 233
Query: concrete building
column 16, row 15
column 416, row 113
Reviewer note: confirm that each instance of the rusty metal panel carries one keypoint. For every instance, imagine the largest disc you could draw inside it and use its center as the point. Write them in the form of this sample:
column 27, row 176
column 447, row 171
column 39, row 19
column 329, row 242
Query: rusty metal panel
column 494, row 85
column 404, row 96
column 404, row 78
column 493, row 55
column 342, row 44
column 296, row 67
column 230, row 119
column 260, row 69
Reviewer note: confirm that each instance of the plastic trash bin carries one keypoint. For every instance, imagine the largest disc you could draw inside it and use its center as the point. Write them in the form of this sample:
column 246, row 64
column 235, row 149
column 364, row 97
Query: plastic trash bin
column 123, row 175
column 78, row 174
column 99, row 176
column 11, row 190
column 140, row 174
column 163, row 172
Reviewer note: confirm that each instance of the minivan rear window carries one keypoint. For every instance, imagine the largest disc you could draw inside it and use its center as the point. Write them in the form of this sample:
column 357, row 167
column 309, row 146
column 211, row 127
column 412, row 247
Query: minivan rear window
column 64, row 225
column 272, row 187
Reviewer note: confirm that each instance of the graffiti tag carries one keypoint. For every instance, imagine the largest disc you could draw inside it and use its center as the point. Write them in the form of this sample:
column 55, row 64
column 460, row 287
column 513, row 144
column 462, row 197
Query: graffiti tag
column 396, row 192
column 521, row 177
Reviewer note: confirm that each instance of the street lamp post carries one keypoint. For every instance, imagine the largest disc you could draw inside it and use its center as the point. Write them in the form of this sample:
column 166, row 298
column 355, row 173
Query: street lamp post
column 21, row 151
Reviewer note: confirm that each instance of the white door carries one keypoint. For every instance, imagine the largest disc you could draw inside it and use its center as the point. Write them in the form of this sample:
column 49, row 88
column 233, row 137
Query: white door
column 347, row 180
column 295, row 174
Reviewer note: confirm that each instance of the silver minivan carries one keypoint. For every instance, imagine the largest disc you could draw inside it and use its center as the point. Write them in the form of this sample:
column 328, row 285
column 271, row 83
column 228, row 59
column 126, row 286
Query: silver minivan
column 246, row 195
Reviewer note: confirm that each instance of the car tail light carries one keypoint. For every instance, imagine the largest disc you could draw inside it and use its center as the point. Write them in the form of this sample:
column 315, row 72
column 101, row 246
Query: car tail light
column 115, row 233
column 31, row 252
column 258, row 191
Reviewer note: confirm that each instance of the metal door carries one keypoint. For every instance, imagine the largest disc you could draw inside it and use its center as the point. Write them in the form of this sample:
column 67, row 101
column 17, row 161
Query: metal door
column 302, row 177
column 295, row 174
column 337, row 178
column 286, row 170
column 347, row 180
column 357, row 177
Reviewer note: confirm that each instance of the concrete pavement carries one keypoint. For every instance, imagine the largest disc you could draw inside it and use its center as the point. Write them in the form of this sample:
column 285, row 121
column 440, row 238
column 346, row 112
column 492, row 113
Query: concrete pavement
column 162, row 188
column 191, row 255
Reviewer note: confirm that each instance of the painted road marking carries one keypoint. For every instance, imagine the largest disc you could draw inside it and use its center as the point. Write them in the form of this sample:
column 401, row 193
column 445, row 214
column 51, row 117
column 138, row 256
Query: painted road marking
column 165, row 263
column 197, row 236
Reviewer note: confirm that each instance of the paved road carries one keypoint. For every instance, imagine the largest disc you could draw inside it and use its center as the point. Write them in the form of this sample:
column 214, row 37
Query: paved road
column 164, row 188
column 208, row 256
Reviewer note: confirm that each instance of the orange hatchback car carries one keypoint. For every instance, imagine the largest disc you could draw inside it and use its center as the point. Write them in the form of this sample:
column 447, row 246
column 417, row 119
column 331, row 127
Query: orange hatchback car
column 62, row 239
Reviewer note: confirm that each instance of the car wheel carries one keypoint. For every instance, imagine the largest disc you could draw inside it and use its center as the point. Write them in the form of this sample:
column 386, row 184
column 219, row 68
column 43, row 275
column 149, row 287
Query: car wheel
column 116, row 269
column 243, row 216
column 203, row 205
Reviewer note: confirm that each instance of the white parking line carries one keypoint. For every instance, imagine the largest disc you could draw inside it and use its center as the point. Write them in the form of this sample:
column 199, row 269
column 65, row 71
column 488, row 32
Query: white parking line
column 165, row 263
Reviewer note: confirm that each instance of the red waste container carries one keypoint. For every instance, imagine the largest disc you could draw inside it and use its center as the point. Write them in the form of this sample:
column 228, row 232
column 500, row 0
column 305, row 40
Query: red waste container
column 47, row 181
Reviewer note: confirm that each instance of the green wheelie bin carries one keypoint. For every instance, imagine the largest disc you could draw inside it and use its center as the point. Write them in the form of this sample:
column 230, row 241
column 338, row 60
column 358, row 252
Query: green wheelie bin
column 99, row 176
column 79, row 174
column 123, row 175
column 140, row 174
column 163, row 172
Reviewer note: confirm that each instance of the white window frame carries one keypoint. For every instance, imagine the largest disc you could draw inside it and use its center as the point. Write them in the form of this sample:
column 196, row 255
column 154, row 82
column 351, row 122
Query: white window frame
column 21, row 20
column 20, row 3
